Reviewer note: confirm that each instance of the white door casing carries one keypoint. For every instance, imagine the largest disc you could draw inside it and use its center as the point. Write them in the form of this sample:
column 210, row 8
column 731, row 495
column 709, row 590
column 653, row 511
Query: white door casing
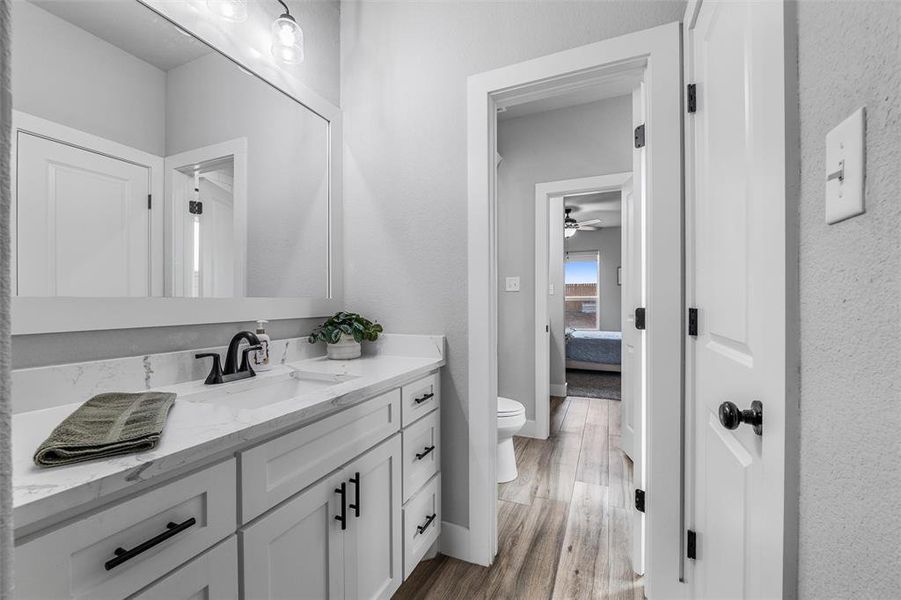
column 737, row 259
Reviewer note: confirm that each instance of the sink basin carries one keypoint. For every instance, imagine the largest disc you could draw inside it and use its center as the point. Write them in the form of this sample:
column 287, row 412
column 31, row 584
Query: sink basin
column 259, row 392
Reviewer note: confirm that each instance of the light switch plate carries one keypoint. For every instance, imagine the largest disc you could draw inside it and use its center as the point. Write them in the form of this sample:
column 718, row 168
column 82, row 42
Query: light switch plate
column 845, row 167
column 512, row 284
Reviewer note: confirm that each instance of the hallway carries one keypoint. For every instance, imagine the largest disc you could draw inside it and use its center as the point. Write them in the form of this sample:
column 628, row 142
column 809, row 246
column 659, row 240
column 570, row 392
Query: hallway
column 563, row 524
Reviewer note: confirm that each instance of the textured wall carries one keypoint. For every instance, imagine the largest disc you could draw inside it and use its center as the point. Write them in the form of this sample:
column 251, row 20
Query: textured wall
column 6, row 527
column 580, row 141
column 403, row 71
column 319, row 73
column 850, row 525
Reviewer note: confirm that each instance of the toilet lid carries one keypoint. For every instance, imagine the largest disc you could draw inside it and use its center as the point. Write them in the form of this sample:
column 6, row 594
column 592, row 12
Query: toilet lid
column 506, row 406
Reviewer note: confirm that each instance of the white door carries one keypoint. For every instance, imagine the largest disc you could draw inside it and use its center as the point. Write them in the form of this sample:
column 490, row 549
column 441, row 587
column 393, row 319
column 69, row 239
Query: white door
column 83, row 224
column 297, row 550
column 373, row 553
column 736, row 259
column 217, row 240
column 211, row 576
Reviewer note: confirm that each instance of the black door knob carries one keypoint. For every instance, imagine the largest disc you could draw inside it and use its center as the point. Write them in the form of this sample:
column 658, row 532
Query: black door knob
column 731, row 416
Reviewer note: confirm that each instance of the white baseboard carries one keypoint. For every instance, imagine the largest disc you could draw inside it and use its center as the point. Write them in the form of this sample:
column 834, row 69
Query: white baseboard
column 454, row 541
column 558, row 390
column 529, row 430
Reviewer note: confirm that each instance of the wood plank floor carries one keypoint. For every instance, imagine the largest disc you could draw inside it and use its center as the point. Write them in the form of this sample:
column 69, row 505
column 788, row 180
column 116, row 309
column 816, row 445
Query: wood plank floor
column 563, row 524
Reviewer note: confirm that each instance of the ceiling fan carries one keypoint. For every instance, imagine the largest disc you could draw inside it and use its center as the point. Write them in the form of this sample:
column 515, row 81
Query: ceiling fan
column 571, row 226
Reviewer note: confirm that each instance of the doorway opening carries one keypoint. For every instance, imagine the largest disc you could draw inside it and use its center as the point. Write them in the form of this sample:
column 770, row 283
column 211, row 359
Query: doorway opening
column 653, row 53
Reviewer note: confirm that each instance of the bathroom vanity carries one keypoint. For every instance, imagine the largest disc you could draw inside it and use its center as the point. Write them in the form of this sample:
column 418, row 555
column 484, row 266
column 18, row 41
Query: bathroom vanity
column 317, row 479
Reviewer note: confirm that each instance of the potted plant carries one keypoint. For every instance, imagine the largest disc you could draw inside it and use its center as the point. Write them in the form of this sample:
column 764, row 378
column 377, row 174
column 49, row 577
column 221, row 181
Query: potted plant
column 343, row 334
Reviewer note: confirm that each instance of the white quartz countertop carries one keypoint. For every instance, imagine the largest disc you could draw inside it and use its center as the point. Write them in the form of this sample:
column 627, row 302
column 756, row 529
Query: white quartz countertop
column 194, row 431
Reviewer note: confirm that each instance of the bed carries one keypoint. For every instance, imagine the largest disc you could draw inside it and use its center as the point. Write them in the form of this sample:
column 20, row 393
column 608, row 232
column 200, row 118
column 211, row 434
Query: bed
column 594, row 350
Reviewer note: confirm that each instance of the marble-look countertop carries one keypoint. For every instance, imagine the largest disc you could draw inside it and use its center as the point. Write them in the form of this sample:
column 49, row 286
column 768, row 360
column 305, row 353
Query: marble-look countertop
column 195, row 431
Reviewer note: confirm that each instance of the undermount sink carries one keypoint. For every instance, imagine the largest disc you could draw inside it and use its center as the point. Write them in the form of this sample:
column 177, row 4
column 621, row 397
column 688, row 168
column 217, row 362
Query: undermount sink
column 259, row 392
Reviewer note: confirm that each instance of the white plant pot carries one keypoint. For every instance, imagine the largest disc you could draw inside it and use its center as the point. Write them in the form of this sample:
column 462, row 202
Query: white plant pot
column 345, row 349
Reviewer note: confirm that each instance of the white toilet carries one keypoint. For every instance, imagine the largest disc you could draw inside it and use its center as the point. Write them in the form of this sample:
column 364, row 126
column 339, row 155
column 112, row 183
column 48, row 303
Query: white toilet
column 511, row 416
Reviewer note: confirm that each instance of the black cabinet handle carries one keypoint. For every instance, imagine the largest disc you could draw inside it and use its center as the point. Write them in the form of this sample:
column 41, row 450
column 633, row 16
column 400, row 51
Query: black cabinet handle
column 424, row 526
column 123, row 555
column 356, row 505
column 424, row 398
column 424, row 453
column 343, row 516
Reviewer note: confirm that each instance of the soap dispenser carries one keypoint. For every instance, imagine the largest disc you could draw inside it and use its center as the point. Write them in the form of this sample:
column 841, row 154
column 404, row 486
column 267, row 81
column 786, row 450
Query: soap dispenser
column 261, row 357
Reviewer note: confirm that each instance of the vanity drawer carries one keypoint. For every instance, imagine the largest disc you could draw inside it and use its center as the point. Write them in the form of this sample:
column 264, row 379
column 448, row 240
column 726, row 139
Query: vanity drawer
column 279, row 468
column 420, row 397
column 422, row 523
column 421, row 452
column 80, row 560
column 211, row 576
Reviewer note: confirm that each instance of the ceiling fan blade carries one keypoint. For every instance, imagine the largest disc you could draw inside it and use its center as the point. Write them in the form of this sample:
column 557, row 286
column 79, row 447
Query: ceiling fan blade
column 589, row 222
column 588, row 228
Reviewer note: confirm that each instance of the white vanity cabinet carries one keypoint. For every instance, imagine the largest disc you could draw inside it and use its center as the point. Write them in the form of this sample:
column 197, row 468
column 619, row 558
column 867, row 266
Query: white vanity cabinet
column 343, row 507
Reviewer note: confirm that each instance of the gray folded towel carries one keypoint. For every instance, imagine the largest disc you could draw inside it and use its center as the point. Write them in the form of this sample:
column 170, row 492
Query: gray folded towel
column 107, row 425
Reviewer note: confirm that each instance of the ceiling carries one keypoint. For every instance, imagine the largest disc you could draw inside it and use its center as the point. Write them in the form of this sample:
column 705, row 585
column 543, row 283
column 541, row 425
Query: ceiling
column 132, row 27
column 606, row 206
column 568, row 100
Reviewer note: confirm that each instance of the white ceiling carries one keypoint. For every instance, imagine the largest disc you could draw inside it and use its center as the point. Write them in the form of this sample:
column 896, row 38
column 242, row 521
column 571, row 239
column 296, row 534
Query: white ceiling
column 587, row 95
column 606, row 206
column 131, row 27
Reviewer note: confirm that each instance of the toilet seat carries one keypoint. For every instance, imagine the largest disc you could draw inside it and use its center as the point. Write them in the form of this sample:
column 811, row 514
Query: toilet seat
column 509, row 408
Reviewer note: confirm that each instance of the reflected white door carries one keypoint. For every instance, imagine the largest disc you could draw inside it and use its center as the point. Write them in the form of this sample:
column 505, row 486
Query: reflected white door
column 83, row 224
column 737, row 265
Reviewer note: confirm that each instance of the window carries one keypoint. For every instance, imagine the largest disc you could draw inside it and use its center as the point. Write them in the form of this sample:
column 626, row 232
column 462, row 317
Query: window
column 582, row 299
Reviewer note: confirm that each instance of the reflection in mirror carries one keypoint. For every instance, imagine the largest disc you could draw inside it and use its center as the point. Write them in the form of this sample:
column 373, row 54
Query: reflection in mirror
column 149, row 164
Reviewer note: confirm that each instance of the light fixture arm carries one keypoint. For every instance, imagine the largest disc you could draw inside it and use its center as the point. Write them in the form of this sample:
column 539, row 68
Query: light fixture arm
column 287, row 12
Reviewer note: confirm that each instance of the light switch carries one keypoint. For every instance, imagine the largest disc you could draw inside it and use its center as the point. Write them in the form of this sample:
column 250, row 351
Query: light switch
column 845, row 169
column 512, row 284
column 550, row 289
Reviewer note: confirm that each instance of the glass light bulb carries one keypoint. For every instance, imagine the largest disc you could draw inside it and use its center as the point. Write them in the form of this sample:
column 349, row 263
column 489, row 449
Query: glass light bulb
column 287, row 40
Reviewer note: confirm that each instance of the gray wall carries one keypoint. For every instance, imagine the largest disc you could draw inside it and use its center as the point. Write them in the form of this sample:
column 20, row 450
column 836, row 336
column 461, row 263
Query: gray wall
column 66, row 75
column 6, row 504
column 210, row 100
column 581, row 141
column 403, row 72
column 607, row 242
column 319, row 72
column 850, row 525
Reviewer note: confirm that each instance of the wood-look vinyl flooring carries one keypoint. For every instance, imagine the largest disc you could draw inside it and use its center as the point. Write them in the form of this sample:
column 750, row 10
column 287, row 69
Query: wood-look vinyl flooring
column 563, row 524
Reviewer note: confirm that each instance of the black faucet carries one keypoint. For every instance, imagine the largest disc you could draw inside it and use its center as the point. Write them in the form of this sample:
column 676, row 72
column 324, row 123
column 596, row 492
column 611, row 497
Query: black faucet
column 232, row 371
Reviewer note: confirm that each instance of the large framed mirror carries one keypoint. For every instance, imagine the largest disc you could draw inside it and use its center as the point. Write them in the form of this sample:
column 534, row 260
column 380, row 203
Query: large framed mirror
column 159, row 181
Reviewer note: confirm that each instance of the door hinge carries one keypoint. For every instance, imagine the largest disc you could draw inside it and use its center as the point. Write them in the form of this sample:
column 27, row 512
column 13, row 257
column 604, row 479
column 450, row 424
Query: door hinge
column 693, row 322
column 692, row 98
column 547, row 328
column 639, row 136
column 639, row 500
column 691, row 544
column 640, row 315
column 149, row 201
column 195, row 207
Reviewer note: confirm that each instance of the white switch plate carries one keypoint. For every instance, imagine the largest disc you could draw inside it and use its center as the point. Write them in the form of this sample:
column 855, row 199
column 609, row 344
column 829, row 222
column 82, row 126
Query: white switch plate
column 512, row 284
column 845, row 169
column 550, row 289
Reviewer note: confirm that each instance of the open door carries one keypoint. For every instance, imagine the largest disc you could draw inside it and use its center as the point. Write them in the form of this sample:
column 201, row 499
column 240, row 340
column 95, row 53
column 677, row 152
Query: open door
column 739, row 364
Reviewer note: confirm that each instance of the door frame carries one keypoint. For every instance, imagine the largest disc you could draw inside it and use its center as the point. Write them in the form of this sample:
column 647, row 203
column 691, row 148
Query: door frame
column 658, row 51
column 236, row 148
column 543, row 194
column 23, row 122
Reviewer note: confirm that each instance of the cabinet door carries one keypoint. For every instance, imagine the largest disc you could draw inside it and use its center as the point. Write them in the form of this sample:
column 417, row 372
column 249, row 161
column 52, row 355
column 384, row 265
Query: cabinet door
column 296, row 551
column 372, row 551
column 211, row 576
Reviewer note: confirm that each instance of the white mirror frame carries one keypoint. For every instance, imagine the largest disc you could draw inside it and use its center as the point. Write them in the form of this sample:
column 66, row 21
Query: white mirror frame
column 32, row 315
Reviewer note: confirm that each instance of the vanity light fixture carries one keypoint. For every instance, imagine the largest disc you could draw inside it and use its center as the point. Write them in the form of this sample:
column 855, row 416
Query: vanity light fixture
column 287, row 38
column 230, row 10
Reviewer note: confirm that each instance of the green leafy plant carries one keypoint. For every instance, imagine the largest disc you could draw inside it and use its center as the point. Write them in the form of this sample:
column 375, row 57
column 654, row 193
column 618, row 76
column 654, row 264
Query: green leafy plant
column 352, row 324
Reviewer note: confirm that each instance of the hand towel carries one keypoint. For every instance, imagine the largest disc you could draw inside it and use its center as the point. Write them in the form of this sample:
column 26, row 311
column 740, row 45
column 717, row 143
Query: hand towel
column 107, row 425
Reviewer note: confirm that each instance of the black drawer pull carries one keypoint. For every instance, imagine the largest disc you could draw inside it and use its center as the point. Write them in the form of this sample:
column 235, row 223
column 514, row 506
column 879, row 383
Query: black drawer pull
column 342, row 518
column 424, row 526
column 424, row 398
column 424, row 453
column 356, row 505
column 123, row 555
